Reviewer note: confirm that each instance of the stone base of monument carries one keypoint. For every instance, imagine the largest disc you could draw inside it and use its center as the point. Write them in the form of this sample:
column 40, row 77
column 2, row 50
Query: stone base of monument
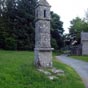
column 52, row 73
column 43, row 57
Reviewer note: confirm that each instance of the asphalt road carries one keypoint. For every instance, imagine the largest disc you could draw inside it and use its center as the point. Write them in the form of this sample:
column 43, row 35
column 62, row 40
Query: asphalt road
column 80, row 66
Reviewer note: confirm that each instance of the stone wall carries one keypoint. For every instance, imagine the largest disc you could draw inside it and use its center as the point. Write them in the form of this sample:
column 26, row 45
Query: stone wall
column 84, row 42
column 85, row 48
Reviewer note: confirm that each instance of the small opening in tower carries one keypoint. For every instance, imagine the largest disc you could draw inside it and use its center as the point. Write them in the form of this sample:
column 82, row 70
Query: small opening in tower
column 44, row 13
column 37, row 13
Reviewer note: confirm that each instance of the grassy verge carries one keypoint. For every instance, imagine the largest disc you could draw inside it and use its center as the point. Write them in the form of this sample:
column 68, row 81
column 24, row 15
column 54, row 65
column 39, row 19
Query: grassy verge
column 84, row 58
column 17, row 71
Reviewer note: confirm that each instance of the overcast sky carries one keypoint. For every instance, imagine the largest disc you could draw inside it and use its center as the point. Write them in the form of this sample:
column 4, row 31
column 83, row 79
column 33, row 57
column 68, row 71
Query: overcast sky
column 69, row 9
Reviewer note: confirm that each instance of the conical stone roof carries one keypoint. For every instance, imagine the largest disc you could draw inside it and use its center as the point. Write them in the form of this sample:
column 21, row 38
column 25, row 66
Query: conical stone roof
column 43, row 2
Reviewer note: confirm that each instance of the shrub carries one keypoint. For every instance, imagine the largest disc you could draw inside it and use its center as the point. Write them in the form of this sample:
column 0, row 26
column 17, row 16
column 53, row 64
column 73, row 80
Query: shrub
column 10, row 43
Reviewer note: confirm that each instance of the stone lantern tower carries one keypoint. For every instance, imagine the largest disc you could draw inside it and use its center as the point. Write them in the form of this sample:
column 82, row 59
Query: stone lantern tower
column 43, row 50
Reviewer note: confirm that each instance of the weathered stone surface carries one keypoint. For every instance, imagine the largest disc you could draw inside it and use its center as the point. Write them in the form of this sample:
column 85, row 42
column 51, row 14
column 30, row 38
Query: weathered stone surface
column 39, row 12
column 43, row 58
column 56, row 71
column 84, row 42
column 52, row 73
column 43, row 2
column 43, row 50
column 52, row 77
column 45, row 72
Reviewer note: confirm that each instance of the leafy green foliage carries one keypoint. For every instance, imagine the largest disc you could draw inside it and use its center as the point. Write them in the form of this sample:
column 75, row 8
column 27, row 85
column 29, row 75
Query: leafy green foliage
column 17, row 71
column 56, row 24
column 54, row 44
column 17, row 21
column 56, row 31
column 77, row 26
column 10, row 43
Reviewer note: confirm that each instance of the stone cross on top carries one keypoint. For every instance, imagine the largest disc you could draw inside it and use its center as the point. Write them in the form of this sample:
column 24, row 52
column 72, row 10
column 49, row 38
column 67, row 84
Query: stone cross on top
column 43, row 50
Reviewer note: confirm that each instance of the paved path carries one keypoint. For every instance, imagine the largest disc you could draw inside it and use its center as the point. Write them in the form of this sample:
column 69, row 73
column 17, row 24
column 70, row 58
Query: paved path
column 80, row 66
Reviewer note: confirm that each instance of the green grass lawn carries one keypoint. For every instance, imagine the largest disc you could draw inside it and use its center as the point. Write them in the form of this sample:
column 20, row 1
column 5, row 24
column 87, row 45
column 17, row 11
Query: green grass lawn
column 84, row 58
column 17, row 71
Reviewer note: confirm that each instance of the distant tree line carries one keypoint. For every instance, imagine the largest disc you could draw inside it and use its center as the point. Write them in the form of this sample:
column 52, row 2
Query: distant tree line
column 17, row 26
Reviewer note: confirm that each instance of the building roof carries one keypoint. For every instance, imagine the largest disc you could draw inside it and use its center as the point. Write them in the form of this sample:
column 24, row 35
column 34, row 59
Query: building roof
column 43, row 2
column 84, row 36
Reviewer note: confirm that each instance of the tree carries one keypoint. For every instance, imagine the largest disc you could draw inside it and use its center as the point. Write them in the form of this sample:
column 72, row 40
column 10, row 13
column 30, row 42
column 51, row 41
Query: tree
column 18, row 19
column 17, row 25
column 86, row 16
column 77, row 26
column 56, row 31
column 24, row 24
